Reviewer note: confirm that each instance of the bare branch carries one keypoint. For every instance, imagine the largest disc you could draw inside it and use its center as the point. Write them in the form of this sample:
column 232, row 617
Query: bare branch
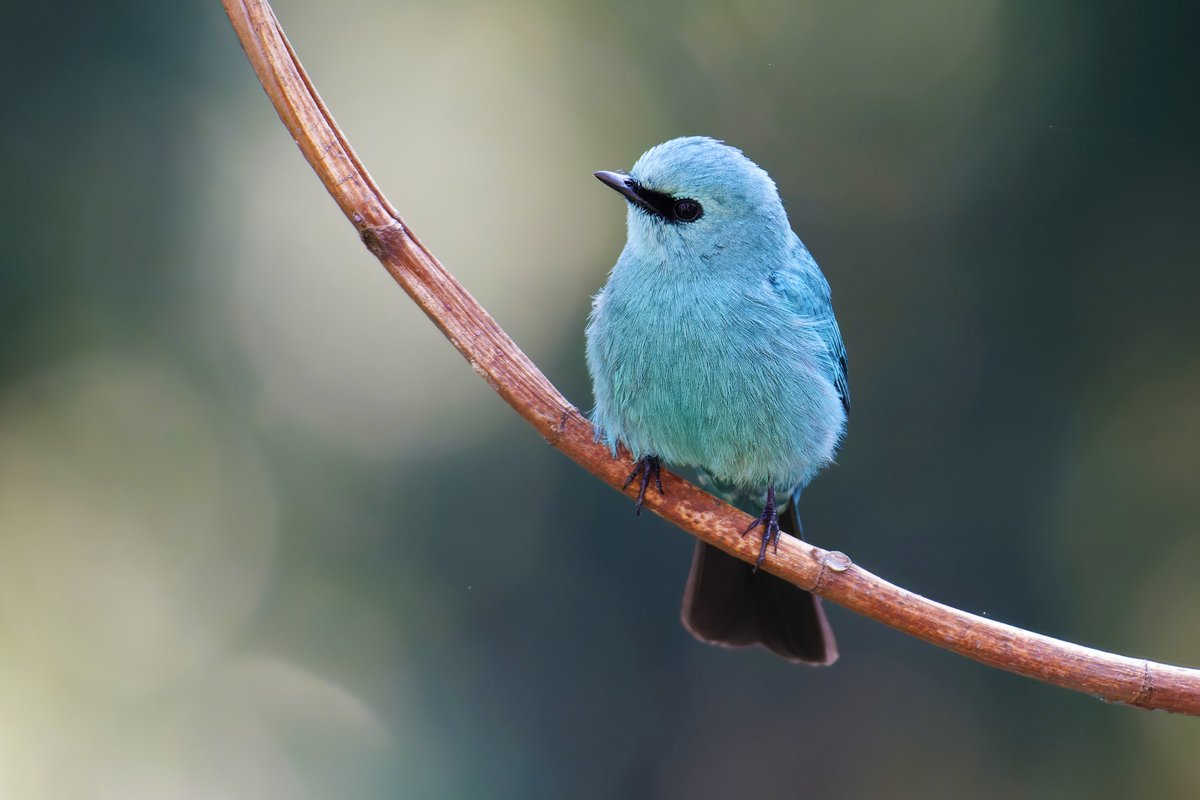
column 515, row 378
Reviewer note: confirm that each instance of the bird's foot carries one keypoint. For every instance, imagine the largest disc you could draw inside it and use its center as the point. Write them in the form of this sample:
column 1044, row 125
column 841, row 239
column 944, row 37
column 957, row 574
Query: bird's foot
column 647, row 467
column 769, row 519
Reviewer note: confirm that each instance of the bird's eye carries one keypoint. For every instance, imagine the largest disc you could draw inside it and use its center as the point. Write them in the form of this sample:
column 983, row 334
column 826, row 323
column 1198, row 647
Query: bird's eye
column 687, row 210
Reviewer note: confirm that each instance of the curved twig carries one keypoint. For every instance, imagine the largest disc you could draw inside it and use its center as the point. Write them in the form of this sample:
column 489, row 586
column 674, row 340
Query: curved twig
column 501, row 363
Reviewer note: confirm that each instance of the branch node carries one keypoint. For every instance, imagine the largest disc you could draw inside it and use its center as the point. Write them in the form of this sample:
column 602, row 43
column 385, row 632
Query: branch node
column 1142, row 698
column 830, row 562
column 836, row 561
column 561, row 427
column 379, row 239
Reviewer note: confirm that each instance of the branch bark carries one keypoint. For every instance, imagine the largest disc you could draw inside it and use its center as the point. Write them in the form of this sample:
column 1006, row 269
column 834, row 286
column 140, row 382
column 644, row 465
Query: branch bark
column 498, row 360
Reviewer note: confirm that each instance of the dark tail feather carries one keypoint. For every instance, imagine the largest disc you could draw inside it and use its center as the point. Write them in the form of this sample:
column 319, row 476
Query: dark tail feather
column 727, row 603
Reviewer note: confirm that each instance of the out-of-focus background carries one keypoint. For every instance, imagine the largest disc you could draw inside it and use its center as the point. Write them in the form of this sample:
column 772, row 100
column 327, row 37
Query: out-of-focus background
column 263, row 534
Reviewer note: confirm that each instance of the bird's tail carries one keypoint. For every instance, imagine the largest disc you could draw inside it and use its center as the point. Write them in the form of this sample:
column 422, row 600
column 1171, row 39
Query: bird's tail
column 727, row 603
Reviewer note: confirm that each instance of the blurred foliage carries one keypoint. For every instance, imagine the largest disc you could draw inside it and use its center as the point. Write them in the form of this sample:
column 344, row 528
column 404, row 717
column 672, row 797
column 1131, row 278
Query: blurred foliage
column 262, row 534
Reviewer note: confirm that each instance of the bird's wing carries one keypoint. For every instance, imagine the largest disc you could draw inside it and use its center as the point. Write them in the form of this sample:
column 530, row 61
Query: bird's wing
column 803, row 284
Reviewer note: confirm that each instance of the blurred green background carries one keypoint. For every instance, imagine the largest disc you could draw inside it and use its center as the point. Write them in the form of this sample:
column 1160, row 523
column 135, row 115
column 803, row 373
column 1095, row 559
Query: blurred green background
column 263, row 534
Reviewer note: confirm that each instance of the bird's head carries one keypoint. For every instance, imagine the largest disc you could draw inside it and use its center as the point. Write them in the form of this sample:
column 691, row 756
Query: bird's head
column 695, row 197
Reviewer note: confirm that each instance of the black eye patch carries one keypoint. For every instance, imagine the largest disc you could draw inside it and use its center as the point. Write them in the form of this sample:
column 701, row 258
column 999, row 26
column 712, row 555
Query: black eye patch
column 672, row 209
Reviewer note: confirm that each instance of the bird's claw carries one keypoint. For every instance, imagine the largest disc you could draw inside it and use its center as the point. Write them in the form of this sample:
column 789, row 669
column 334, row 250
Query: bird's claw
column 769, row 519
column 647, row 467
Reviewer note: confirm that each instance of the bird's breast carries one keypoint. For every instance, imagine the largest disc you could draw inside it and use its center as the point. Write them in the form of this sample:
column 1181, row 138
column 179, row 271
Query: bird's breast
column 716, row 377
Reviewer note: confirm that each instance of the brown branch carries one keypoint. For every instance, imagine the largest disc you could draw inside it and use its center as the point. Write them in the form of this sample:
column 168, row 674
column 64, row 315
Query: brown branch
column 501, row 363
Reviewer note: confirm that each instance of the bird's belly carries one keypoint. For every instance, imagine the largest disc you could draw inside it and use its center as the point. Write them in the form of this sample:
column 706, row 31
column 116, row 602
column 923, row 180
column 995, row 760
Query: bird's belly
column 750, row 410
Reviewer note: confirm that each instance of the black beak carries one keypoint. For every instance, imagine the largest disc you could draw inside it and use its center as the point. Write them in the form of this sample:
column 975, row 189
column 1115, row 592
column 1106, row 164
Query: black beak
column 627, row 187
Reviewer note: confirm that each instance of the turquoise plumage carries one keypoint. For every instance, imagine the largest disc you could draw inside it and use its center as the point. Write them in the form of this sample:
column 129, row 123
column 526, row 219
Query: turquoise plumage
column 714, row 345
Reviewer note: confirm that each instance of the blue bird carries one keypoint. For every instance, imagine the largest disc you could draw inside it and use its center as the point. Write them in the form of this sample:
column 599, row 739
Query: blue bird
column 714, row 346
